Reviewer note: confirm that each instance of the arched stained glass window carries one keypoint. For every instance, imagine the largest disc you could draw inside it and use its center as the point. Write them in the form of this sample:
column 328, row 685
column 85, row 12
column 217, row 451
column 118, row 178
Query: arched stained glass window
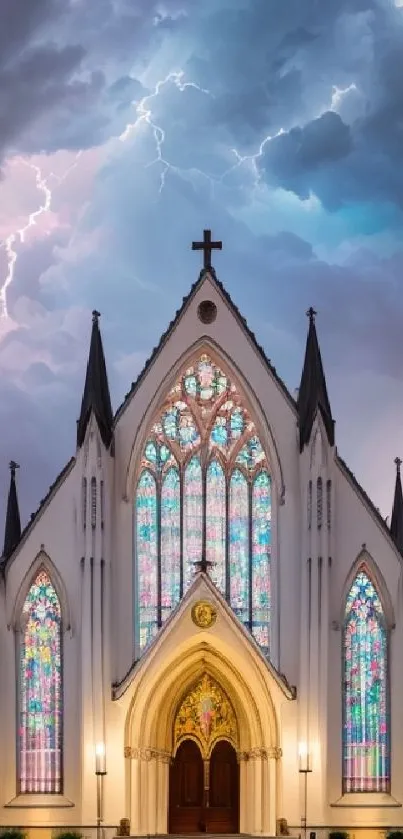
column 204, row 491
column 261, row 537
column 366, row 742
column 40, row 727
column 147, row 553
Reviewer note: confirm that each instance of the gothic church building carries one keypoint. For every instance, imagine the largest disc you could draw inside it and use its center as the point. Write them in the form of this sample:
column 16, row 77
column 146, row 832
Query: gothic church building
column 205, row 613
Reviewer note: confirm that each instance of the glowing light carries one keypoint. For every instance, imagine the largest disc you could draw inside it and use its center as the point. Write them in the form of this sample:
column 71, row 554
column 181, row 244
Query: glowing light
column 303, row 756
column 338, row 94
column 144, row 114
column 251, row 158
column 100, row 754
column 18, row 237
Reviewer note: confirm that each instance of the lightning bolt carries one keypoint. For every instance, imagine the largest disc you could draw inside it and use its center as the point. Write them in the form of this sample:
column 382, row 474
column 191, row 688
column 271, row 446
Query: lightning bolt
column 338, row 93
column 251, row 158
column 17, row 238
column 144, row 115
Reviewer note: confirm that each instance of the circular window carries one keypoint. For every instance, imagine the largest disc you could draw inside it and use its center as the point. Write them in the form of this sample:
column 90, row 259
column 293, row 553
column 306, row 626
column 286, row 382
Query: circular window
column 207, row 311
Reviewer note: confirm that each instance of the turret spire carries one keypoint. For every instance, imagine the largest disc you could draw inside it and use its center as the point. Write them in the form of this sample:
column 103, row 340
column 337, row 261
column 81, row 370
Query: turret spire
column 312, row 394
column 96, row 395
column 396, row 522
column 12, row 531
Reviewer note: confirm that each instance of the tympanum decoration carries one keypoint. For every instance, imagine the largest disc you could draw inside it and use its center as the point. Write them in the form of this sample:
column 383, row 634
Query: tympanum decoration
column 206, row 714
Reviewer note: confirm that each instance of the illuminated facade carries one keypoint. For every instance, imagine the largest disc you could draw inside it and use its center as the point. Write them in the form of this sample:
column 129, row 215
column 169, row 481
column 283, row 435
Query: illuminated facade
column 206, row 584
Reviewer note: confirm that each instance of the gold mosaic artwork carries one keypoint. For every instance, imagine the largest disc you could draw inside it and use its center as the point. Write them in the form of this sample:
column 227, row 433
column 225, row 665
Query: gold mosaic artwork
column 204, row 614
column 206, row 714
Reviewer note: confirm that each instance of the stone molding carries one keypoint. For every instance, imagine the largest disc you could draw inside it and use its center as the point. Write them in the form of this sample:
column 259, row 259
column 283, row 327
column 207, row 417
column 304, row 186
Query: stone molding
column 272, row 752
column 134, row 753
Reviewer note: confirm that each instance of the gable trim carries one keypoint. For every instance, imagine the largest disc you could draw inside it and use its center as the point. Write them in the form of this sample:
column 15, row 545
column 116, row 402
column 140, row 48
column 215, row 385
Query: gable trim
column 119, row 688
column 368, row 504
column 204, row 274
column 39, row 512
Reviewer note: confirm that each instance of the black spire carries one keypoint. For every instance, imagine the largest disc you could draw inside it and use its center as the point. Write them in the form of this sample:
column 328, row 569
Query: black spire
column 96, row 395
column 12, row 531
column 312, row 394
column 396, row 522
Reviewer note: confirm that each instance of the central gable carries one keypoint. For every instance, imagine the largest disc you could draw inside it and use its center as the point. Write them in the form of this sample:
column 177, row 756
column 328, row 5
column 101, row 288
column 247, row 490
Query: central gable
column 207, row 321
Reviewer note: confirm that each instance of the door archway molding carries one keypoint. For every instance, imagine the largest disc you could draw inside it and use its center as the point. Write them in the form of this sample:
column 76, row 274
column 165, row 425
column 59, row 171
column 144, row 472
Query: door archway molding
column 150, row 742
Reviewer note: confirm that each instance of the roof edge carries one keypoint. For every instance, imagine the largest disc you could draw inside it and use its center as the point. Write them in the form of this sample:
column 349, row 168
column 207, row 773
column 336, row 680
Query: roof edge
column 120, row 688
column 59, row 480
column 205, row 272
column 370, row 506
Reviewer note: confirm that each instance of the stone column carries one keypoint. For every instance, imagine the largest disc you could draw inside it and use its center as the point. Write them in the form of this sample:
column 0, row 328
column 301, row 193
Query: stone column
column 143, row 826
column 135, row 802
column 163, row 765
column 152, row 793
column 243, row 793
column 257, row 797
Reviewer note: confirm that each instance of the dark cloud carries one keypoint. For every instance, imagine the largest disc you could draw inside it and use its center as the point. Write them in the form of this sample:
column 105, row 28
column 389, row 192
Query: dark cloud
column 327, row 73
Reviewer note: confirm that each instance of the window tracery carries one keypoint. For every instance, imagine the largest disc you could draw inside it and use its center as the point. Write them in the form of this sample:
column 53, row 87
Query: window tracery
column 40, row 725
column 204, row 489
column 366, row 742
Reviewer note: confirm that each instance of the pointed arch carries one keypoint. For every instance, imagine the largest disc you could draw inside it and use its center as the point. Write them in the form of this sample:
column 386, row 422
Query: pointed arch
column 209, row 346
column 40, row 688
column 42, row 560
column 364, row 558
column 206, row 430
column 365, row 684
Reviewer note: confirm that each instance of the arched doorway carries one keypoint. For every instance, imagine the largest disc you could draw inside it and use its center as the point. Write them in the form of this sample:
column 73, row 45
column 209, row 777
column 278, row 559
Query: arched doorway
column 186, row 790
column 204, row 795
column 223, row 812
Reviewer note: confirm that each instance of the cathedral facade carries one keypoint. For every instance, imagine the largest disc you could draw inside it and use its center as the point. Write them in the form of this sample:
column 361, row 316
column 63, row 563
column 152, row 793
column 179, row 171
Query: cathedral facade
column 205, row 614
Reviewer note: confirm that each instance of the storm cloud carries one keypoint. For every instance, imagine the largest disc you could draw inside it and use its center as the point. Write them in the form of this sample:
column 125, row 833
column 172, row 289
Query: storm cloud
column 126, row 128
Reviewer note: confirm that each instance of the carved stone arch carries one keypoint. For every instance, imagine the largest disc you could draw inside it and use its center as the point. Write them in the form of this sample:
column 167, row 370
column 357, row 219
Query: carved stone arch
column 365, row 561
column 263, row 427
column 41, row 561
column 319, row 444
column 154, row 705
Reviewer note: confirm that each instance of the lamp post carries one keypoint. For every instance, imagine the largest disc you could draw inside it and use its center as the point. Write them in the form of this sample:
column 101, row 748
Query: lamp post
column 304, row 769
column 100, row 771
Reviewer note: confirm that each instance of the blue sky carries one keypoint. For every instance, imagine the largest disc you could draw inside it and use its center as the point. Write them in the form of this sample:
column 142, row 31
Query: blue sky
column 128, row 126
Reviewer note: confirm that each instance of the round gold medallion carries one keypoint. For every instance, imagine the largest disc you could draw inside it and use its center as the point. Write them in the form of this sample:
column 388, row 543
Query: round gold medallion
column 204, row 614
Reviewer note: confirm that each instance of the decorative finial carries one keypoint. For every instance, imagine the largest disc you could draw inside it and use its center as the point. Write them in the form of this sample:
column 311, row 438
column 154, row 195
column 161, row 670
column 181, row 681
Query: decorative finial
column 95, row 316
column 13, row 466
column 202, row 565
column 398, row 463
column 311, row 314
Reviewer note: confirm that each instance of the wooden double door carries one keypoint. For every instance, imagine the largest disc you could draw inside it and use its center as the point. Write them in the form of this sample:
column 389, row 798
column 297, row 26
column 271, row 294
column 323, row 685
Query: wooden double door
column 204, row 796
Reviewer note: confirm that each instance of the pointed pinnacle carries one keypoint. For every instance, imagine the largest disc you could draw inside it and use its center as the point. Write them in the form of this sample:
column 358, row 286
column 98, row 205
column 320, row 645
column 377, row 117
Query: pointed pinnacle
column 13, row 466
column 398, row 463
column 95, row 316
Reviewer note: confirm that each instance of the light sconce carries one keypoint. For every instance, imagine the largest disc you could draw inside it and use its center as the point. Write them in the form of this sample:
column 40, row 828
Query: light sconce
column 100, row 759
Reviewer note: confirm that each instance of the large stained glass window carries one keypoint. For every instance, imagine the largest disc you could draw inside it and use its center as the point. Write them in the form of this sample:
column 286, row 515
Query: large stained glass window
column 366, row 742
column 203, row 491
column 40, row 726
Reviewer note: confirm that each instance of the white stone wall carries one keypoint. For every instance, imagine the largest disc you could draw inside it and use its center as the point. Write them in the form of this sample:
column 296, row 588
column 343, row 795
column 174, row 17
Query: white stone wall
column 92, row 569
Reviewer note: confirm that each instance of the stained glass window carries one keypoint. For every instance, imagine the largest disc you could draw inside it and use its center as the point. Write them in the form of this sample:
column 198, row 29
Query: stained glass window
column 239, row 545
column 40, row 727
column 204, row 490
column 366, row 746
column 216, row 523
column 147, row 582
